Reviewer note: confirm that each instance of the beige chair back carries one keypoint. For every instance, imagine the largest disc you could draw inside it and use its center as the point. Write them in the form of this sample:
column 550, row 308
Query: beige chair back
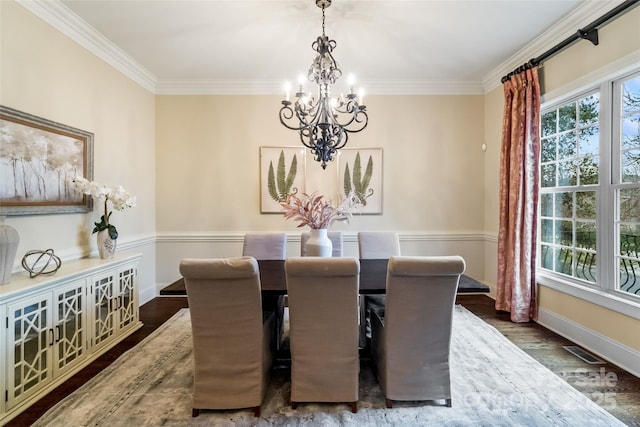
column 378, row 244
column 411, row 347
column 265, row 245
column 334, row 236
column 323, row 309
column 231, row 342
column 374, row 245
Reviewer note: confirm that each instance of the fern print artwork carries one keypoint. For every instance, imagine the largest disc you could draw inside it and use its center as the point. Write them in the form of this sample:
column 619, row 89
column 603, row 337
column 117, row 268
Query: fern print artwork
column 282, row 172
column 359, row 184
column 281, row 185
column 360, row 173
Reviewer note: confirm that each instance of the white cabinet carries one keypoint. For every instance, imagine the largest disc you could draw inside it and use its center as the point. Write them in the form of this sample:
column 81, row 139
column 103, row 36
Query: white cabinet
column 114, row 301
column 29, row 339
column 46, row 337
column 70, row 326
column 54, row 326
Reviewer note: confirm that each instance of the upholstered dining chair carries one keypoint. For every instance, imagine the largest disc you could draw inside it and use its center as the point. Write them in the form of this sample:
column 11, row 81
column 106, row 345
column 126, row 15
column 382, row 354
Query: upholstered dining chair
column 334, row 236
column 374, row 245
column 323, row 328
column 266, row 245
column 232, row 339
column 411, row 339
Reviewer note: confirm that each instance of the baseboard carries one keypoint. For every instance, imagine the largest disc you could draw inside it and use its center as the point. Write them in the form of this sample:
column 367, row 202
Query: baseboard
column 147, row 294
column 619, row 354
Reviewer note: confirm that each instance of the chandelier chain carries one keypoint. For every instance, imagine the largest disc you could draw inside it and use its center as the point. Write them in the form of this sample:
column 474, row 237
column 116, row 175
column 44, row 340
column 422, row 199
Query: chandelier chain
column 324, row 123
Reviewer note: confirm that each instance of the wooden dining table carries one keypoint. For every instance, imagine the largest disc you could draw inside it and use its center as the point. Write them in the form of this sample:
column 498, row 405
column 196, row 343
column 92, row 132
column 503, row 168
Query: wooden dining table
column 373, row 276
column 373, row 279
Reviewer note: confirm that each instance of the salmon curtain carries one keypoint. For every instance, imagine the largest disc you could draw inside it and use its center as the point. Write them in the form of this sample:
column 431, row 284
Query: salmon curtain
column 519, row 187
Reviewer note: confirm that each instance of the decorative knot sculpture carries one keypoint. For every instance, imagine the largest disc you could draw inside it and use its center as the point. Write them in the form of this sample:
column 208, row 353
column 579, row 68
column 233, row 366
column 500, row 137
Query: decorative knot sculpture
column 46, row 262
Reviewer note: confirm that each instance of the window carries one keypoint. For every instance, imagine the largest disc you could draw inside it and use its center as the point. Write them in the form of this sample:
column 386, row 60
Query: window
column 589, row 229
column 627, row 185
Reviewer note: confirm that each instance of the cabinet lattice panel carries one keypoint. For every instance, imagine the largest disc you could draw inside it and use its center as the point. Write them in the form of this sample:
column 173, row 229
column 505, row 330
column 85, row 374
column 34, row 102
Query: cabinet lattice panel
column 70, row 332
column 30, row 347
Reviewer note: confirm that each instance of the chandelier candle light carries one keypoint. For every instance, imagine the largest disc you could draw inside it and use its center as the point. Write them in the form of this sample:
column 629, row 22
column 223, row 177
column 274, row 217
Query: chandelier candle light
column 324, row 123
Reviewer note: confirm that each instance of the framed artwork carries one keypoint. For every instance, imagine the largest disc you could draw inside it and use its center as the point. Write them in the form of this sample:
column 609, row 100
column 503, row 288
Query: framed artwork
column 38, row 157
column 360, row 171
column 282, row 172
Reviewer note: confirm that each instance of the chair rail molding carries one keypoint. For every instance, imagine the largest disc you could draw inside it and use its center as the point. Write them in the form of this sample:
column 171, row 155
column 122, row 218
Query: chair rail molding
column 238, row 236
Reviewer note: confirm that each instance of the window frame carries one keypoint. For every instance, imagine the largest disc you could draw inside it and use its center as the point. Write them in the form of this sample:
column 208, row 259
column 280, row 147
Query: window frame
column 603, row 292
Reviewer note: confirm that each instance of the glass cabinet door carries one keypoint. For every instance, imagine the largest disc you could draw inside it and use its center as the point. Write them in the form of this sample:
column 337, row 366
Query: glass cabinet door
column 103, row 314
column 29, row 360
column 128, row 308
column 70, row 330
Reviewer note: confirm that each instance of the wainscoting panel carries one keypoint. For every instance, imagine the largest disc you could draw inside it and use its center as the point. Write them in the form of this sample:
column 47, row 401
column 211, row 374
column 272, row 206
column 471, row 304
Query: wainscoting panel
column 491, row 263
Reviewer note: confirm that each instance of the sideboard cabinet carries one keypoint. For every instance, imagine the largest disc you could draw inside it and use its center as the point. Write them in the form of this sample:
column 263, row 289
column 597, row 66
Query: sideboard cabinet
column 53, row 326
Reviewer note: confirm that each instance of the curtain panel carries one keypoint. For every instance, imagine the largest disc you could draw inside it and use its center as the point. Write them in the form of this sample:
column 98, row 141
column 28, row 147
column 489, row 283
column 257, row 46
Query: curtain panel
column 519, row 187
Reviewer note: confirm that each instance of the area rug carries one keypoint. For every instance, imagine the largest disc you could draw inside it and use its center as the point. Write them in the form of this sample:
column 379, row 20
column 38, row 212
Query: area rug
column 494, row 383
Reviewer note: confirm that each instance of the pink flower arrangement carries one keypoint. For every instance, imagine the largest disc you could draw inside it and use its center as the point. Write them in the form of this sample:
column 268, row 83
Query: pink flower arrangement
column 315, row 211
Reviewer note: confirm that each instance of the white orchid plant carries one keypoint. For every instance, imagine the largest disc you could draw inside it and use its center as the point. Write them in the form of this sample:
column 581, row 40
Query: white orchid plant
column 118, row 196
column 315, row 211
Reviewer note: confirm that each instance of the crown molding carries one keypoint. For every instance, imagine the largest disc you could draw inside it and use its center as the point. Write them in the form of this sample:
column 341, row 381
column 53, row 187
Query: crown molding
column 582, row 16
column 423, row 87
column 270, row 87
column 68, row 23
column 218, row 87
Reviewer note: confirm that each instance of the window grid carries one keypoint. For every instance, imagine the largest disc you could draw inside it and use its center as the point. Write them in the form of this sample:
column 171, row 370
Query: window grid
column 569, row 180
column 590, row 188
column 626, row 184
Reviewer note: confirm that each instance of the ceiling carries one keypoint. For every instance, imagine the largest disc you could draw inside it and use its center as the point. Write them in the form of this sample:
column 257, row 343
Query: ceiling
column 253, row 46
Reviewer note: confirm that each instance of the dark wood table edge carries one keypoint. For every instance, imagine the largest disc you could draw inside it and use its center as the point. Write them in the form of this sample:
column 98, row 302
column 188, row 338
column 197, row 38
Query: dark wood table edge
column 368, row 283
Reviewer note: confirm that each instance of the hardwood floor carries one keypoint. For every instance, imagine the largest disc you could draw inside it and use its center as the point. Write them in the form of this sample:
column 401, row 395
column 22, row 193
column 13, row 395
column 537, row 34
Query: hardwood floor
column 613, row 388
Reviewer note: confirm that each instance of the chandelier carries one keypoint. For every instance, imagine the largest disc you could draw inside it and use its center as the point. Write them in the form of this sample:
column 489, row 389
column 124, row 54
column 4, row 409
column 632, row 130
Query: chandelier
column 324, row 123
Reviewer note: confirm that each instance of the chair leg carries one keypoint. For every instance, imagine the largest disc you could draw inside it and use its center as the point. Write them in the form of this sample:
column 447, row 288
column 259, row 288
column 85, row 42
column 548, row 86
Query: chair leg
column 354, row 407
column 449, row 403
column 256, row 411
column 389, row 403
column 195, row 412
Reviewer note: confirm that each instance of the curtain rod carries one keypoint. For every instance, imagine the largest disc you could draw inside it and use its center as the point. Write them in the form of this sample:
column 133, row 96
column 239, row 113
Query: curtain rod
column 590, row 32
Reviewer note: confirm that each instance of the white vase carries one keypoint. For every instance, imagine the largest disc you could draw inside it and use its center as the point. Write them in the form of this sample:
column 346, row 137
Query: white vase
column 9, row 239
column 319, row 244
column 106, row 245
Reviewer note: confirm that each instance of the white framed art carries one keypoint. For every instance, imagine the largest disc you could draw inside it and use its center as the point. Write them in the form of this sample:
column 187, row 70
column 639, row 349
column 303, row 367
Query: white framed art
column 282, row 172
column 360, row 171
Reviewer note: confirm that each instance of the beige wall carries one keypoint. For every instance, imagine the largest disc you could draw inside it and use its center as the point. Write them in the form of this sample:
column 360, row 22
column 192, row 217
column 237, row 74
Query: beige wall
column 208, row 175
column 493, row 111
column 47, row 75
column 618, row 327
column 617, row 39
column 208, row 163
